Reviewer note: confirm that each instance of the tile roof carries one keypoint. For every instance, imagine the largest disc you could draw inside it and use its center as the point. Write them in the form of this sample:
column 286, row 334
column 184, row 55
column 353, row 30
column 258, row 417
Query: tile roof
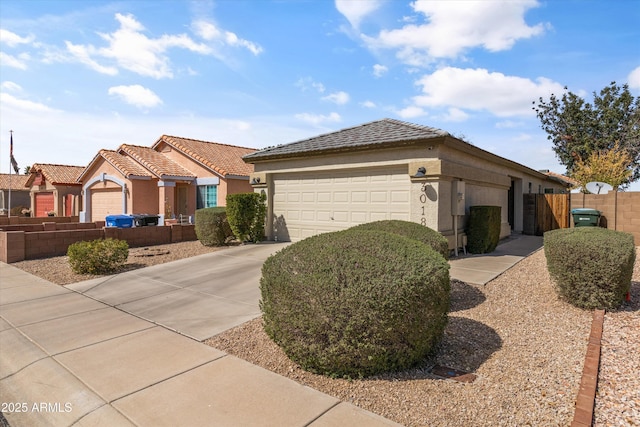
column 367, row 135
column 570, row 182
column 125, row 164
column 57, row 174
column 18, row 182
column 154, row 161
column 221, row 158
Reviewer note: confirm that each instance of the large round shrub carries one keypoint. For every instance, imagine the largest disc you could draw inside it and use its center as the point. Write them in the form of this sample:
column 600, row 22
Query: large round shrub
column 591, row 266
column 355, row 302
column 412, row 230
column 483, row 229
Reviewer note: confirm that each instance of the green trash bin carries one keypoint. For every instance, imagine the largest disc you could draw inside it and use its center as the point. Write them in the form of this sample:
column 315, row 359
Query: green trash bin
column 585, row 217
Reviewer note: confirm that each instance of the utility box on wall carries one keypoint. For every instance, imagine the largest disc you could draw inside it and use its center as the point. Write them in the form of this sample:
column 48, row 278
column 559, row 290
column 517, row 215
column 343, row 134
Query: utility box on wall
column 457, row 198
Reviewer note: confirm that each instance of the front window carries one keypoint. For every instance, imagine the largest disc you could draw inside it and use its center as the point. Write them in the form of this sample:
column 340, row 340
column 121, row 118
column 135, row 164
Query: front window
column 207, row 196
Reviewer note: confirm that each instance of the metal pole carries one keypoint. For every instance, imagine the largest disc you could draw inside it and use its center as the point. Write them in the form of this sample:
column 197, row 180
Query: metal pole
column 10, row 168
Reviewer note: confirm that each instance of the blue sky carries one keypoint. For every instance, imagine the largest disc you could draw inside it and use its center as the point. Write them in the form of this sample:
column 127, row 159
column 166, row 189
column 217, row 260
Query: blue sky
column 78, row 76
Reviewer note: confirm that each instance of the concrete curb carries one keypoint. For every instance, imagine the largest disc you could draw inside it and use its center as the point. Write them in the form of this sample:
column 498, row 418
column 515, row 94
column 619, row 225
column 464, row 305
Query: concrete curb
column 585, row 402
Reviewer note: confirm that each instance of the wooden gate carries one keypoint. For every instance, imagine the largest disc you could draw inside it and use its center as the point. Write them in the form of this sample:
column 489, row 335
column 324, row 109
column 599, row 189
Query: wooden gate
column 544, row 212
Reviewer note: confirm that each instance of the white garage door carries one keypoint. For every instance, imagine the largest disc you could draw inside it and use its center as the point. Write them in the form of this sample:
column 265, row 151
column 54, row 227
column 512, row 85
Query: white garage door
column 305, row 204
column 105, row 202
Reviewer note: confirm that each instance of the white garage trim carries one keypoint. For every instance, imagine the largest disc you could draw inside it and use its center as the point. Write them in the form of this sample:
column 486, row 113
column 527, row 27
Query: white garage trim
column 305, row 204
column 86, row 215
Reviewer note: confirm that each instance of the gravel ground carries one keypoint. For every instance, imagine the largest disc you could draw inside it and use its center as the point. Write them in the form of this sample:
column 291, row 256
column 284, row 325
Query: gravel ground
column 618, row 394
column 525, row 346
column 57, row 270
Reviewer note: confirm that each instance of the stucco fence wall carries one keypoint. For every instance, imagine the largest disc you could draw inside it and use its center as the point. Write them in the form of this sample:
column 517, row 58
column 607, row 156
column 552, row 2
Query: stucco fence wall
column 620, row 210
column 48, row 240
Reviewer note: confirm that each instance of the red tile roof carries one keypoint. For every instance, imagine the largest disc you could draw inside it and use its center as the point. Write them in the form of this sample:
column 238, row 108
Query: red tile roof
column 562, row 178
column 221, row 158
column 125, row 164
column 56, row 174
column 18, row 182
column 154, row 161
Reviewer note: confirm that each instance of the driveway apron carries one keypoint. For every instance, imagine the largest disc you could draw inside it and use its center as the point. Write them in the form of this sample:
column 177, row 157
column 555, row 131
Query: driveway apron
column 198, row 297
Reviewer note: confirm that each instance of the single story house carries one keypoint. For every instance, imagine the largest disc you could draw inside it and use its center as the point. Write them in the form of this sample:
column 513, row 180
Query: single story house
column 389, row 169
column 20, row 195
column 172, row 178
column 55, row 190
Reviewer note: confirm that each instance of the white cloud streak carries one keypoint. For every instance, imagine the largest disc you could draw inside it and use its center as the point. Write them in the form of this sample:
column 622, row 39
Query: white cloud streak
column 317, row 119
column 136, row 95
column 480, row 90
column 355, row 11
column 453, row 27
column 339, row 98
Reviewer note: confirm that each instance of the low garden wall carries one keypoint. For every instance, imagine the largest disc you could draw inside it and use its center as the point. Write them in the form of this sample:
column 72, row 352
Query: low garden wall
column 53, row 239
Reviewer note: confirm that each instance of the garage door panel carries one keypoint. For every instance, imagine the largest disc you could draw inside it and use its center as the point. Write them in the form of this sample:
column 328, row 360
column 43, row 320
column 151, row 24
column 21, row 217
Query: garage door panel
column 335, row 200
column 105, row 202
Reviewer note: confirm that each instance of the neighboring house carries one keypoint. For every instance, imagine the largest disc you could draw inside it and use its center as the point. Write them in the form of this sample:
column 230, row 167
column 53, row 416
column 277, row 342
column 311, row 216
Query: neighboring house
column 171, row 179
column 19, row 192
column 54, row 189
column 388, row 169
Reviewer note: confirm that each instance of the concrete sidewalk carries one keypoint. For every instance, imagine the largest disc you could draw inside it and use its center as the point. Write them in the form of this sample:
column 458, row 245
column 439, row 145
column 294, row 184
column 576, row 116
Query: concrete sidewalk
column 481, row 269
column 68, row 360
column 75, row 357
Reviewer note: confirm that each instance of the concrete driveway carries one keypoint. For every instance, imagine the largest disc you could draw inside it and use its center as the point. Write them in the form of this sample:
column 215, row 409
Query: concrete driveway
column 198, row 297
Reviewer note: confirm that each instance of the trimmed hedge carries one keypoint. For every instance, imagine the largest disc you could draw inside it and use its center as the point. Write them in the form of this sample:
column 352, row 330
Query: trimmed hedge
column 355, row 303
column 591, row 266
column 247, row 213
column 412, row 230
column 212, row 227
column 483, row 229
column 101, row 256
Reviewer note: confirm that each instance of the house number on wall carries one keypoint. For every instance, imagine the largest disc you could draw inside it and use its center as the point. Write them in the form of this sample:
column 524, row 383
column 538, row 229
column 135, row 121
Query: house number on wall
column 423, row 200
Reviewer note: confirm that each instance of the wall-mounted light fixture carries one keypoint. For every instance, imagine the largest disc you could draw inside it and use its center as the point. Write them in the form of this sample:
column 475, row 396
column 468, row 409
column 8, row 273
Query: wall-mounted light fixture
column 255, row 181
column 422, row 171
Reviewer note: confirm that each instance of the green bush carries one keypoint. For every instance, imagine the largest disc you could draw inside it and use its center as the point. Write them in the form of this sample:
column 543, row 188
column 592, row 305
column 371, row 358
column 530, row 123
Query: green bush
column 483, row 229
column 412, row 230
column 212, row 227
column 100, row 256
column 246, row 213
column 591, row 266
column 355, row 303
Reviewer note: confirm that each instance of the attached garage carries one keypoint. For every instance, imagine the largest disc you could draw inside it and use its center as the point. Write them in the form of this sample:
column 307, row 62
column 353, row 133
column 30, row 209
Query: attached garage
column 105, row 202
column 44, row 203
column 387, row 169
column 305, row 204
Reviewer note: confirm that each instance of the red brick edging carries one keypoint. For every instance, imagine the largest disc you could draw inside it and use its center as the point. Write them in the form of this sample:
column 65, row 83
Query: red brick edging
column 583, row 416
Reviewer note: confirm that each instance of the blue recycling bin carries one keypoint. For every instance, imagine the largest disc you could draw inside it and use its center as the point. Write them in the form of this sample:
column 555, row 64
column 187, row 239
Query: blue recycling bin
column 120, row 221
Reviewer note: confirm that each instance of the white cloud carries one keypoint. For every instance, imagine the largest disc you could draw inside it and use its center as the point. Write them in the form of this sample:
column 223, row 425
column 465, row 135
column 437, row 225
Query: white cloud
column 452, row 27
column 307, row 83
column 455, row 115
column 354, row 11
column 12, row 39
column 12, row 102
column 210, row 32
column 634, row 79
column 379, row 70
column 11, row 86
column 82, row 54
column 339, row 98
column 411, row 112
column 136, row 95
column 12, row 61
column 316, row 119
column 368, row 104
column 480, row 90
